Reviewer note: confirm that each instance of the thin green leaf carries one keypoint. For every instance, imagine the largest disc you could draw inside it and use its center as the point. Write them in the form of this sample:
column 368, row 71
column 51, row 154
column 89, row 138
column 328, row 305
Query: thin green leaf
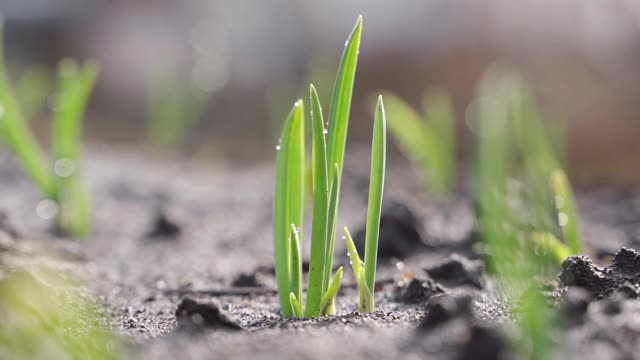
column 296, row 308
column 319, row 242
column 376, row 187
column 337, row 131
column 328, row 298
column 566, row 210
column 74, row 88
column 288, row 203
column 413, row 136
column 365, row 294
column 295, row 262
column 14, row 131
column 331, row 226
column 549, row 244
column 341, row 98
column 439, row 114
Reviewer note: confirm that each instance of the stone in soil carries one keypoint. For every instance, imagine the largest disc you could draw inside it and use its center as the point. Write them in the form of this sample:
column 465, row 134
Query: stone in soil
column 456, row 271
column 622, row 276
column 163, row 227
column 247, row 280
column 443, row 308
column 417, row 291
column 573, row 305
column 7, row 227
column 400, row 232
column 194, row 317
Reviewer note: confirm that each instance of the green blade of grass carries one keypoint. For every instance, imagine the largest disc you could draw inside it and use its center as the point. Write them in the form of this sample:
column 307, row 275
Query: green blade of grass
column 341, row 98
column 566, row 210
column 439, row 114
column 328, row 297
column 365, row 294
column 14, row 131
column 288, row 204
column 413, row 136
column 315, row 287
column 376, row 186
column 331, row 238
column 295, row 263
column 549, row 244
column 296, row 308
column 74, row 88
column 339, row 118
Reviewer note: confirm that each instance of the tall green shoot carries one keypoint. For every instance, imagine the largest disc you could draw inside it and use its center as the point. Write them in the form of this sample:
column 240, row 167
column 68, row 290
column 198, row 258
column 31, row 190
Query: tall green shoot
column 365, row 274
column 328, row 144
column 15, row 132
column 288, row 200
column 75, row 84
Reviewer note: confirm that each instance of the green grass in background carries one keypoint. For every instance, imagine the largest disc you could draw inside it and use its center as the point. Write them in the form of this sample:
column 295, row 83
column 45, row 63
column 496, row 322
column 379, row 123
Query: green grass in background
column 59, row 179
column 427, row 140
column 517, row 191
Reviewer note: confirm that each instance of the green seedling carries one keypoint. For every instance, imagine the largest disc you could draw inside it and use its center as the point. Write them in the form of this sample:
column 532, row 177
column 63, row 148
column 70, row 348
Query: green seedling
column 45, row 316
column 75, row 84
column 366, row 275
column 518, row 226
column 566, row 210
column 173, row 108
column 429, row 140
column 59, row 180
column 32, row 88
column 328, row 147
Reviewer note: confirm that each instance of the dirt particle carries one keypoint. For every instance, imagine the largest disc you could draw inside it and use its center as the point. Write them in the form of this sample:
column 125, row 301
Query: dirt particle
column 416, row 291
column 247, row 280
column 162, row 227
column 458, row 271
column 484, row 344
column 7, row 227
column 400, row 232
column 573, row 305
column 623, row 275
column 442, row 308
column 194, row 317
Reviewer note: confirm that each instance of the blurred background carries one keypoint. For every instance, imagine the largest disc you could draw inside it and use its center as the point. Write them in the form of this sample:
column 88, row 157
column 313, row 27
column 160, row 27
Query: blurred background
column 215, row 78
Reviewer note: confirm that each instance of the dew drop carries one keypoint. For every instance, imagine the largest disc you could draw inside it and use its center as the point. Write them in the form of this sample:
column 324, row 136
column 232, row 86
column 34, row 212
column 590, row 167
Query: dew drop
column 47, row 209
column 344, row 237
column 563, row 219
column 325, row 131
column 277, row 147
column 64, row 167
column 346, row 43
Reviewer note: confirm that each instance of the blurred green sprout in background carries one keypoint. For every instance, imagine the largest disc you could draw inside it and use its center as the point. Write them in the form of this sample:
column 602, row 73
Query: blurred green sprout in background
column 59, row 179
column 427, row 140
column 524, row 205
column 44, row 316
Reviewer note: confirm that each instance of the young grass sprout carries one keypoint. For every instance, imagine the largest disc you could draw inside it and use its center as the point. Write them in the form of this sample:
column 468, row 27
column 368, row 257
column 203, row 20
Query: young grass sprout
column 327, row 156
column 58, row 181
column 429, row 144
column 519, row 226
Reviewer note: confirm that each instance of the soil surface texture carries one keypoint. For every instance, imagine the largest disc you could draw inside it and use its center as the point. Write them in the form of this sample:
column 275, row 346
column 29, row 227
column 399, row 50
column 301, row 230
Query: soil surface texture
column 180, row 262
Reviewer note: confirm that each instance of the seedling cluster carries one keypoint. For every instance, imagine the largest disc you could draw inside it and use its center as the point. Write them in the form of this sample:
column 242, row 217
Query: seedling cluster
column 58, row 180
column 328, row 148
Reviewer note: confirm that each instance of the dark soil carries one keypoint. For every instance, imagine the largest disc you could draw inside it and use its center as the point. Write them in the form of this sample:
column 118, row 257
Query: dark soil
column 207, row 290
